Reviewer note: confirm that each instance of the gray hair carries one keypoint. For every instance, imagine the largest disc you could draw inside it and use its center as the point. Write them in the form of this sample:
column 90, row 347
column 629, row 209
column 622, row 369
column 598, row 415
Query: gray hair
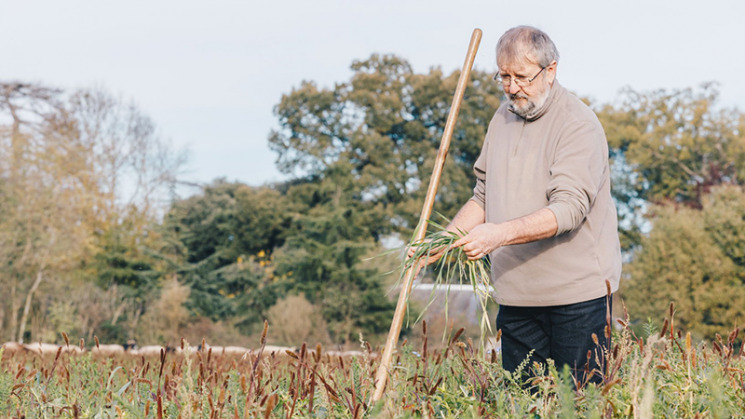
column 526, row 42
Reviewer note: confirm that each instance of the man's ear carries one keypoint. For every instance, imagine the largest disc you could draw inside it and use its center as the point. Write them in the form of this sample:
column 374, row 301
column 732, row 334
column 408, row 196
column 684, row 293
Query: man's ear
column 551, row 70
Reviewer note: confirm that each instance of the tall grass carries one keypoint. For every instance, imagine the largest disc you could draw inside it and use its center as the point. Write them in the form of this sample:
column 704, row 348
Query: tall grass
column 661, row 374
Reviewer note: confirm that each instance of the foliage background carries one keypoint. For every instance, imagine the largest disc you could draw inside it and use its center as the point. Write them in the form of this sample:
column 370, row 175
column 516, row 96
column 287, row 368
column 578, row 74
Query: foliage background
column 95, row 241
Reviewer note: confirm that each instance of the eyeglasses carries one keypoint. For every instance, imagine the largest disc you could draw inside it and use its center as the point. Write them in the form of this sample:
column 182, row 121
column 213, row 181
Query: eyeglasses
column 521, row 81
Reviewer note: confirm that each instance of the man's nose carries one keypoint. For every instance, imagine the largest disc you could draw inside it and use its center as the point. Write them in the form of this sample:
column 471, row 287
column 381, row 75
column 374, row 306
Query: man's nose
column 513, row 88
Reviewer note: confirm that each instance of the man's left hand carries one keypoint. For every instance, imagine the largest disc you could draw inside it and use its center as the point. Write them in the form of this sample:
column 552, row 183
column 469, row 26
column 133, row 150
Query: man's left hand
column 481, row 241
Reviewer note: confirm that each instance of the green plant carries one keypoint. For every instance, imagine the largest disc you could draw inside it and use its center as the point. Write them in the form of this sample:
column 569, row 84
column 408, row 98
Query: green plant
column 451, row 266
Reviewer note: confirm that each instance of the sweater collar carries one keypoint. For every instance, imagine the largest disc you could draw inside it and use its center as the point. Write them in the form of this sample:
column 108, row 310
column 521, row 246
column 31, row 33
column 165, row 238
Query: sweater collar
column 540, row 111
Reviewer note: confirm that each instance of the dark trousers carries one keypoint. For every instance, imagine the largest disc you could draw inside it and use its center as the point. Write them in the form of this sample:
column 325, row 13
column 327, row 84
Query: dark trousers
column 562, row 333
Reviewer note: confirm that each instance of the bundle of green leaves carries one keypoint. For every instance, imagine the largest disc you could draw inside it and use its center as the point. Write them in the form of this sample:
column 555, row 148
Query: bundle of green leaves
column 449, row 265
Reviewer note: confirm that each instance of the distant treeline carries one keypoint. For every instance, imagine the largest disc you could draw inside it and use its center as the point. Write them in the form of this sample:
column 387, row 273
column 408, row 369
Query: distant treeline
column 94, row 241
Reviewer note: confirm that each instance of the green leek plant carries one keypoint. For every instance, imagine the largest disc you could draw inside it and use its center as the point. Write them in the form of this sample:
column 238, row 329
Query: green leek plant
column 452, row 267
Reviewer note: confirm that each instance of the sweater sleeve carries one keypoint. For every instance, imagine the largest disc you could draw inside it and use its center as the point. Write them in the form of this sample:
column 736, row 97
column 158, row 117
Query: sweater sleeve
column 479, row 170
column 577, row 173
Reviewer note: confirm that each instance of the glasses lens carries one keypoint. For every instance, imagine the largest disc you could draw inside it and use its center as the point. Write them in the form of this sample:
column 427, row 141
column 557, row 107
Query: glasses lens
column 507, row 80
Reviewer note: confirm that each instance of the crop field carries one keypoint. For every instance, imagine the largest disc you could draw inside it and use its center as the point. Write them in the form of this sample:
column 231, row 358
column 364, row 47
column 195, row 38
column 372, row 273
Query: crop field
column 662, row 374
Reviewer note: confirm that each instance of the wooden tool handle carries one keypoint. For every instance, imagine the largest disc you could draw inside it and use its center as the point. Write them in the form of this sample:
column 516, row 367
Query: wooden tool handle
column 398, row 318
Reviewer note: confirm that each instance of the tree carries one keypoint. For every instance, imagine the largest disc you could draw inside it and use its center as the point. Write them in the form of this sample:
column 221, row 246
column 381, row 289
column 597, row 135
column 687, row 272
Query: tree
column 673, row 151
column 322, row 260
column 362, row 154
column 41, row 229
column 693, row 258
column 294, row 320
column 164, row 321
column 377, row 136
column 678, row 144
column 73, row 167
column 227, row 235
column 247, row 247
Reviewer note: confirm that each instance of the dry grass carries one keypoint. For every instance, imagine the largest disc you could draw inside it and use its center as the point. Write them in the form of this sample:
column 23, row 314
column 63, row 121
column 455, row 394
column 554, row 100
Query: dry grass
column 663, row 374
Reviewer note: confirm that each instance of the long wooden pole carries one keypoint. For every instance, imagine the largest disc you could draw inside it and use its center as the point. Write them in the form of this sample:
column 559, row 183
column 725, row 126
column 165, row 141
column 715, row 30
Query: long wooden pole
column 398, row 317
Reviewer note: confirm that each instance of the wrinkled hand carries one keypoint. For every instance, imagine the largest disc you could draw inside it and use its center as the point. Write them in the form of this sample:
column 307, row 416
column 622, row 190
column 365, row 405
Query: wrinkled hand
column 480, row 241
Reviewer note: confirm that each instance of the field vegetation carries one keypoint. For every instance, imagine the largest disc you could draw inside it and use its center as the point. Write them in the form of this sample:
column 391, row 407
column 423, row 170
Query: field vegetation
column 662, row 374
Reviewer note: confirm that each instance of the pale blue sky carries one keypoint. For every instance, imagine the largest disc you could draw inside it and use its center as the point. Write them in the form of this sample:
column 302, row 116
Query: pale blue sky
column 210, row 72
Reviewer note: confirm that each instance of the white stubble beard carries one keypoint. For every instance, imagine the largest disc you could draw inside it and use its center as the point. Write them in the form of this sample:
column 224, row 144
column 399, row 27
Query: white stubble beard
column 531, row 106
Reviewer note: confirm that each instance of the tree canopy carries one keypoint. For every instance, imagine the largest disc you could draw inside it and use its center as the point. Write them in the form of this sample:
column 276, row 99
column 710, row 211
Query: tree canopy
column 376, row 137
column 679, row 188
column 694, row 259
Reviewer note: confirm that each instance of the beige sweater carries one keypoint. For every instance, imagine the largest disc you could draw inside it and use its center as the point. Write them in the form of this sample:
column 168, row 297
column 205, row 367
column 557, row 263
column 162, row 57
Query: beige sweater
column 558, row 160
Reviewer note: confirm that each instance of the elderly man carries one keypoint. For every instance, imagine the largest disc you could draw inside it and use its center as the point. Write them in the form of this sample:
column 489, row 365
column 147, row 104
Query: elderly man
column 542, row 211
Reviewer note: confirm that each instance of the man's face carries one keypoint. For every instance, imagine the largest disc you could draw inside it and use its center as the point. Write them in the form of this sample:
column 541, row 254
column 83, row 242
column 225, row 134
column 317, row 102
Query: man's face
column 526, row 96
